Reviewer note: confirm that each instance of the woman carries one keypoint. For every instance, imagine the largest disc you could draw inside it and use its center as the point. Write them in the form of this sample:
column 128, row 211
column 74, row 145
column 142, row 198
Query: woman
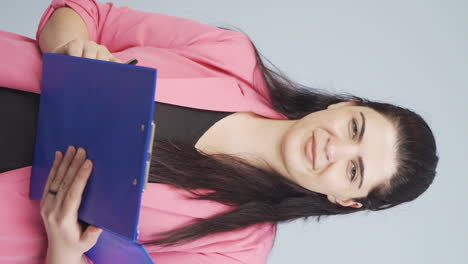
column 262, row 149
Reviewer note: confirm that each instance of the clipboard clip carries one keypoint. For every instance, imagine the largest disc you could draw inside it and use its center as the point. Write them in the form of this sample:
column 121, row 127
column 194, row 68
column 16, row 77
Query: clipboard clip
column 150, row 154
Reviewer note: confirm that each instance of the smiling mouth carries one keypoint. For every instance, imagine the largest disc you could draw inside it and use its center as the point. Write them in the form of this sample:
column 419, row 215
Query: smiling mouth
column 310, row 150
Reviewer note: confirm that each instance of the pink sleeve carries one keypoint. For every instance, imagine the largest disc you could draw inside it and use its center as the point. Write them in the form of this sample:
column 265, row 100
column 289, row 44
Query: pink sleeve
column 121, row 27
column 196, row 258
column 181, row 49
column 210, row 51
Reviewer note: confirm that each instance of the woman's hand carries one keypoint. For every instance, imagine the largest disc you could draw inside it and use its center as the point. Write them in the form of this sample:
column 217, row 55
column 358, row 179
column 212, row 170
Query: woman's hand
column 68, row 178
column 86, row 49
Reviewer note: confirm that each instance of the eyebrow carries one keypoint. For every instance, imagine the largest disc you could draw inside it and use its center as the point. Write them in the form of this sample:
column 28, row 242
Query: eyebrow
column 361, row 163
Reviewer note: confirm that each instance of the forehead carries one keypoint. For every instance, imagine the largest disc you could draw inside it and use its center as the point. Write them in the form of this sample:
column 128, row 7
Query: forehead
column 378, row 147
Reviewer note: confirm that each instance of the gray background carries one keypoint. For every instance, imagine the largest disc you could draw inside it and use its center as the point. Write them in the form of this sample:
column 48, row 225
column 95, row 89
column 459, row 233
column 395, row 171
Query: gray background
column 412, row 53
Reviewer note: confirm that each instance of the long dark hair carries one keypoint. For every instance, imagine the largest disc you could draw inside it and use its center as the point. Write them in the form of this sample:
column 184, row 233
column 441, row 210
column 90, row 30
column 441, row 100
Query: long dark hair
column 263, row 195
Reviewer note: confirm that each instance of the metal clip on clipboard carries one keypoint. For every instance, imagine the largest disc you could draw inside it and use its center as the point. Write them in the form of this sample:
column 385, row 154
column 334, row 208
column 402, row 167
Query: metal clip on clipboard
column 150, row 152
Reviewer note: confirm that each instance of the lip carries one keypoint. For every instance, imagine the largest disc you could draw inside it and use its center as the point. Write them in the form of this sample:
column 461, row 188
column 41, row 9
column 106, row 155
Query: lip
column 309, row 150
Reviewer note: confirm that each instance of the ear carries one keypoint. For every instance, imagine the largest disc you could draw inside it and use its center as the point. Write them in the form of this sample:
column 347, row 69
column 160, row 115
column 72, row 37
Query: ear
column 348, row 203
column 345, row 203
column 341, row 104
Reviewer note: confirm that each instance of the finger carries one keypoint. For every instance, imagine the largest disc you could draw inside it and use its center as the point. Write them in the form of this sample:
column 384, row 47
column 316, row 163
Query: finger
column 75, row 48
column 90, row 50
column 61, row 50
column 114, row 59
column 111, row 56
column 63, row 167
column 102, row 56
column 72, row 201
column 69, row 177
column 52, row 173
column 90, row 236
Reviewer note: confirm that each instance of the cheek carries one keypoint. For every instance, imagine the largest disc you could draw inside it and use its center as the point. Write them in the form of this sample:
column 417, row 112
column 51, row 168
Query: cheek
column 333, row 180
column 338, row 129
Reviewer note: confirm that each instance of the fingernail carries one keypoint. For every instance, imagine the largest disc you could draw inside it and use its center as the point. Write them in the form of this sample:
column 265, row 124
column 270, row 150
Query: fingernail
column 87, row 164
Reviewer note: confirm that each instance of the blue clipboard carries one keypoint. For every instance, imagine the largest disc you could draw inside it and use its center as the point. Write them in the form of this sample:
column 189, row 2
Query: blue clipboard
column 106, row 108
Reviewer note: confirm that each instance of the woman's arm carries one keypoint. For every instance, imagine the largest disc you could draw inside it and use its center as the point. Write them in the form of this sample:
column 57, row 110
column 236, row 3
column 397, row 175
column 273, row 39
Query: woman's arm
column 119, row 28
column 62, row 27
column 66, row 33
column 181, row 49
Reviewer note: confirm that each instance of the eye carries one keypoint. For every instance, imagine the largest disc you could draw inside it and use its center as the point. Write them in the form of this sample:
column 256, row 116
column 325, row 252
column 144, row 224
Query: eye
column 354, row 128
column 352, row 171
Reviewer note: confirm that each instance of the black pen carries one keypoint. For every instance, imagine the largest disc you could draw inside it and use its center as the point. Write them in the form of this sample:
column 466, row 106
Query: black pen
column 132, row 62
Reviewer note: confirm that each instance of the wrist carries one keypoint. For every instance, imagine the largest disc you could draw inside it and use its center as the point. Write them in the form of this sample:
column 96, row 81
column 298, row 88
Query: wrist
column 57, row 256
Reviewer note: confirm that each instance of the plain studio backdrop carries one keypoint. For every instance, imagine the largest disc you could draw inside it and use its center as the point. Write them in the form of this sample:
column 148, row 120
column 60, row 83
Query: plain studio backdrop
column 412, row 53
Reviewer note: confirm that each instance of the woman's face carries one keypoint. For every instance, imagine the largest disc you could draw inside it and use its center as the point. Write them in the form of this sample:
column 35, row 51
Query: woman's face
column 353, row 149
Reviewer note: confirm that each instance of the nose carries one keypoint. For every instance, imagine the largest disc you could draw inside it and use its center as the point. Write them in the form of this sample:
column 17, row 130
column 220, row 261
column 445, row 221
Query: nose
column 338, row 149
